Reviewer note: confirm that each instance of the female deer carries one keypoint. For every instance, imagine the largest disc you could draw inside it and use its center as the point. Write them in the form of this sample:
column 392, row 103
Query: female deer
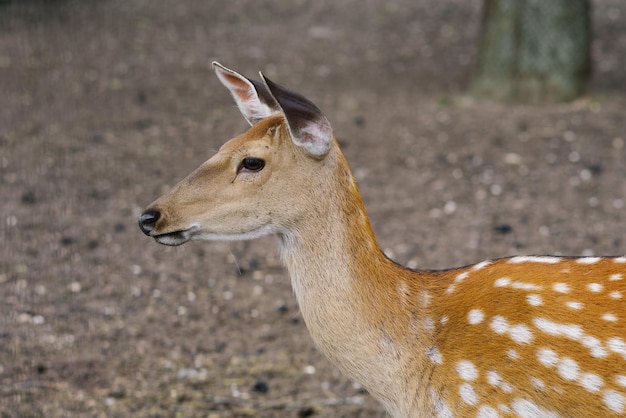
column 522, row 336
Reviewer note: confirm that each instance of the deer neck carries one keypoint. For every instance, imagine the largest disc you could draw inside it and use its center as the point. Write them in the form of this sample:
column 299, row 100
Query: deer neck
column 331, row 248
column 348, row 291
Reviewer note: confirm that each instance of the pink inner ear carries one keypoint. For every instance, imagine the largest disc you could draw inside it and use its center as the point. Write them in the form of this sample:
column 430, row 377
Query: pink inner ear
column 246, row 95
column 238, row 87
column 243, row 95
column 231, row 78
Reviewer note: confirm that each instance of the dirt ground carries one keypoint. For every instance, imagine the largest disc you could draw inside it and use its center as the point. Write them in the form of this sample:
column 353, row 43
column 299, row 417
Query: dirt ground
column 106, row 104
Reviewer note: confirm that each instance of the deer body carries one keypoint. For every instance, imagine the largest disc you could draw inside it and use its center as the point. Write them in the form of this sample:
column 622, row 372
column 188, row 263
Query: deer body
column 520, row 337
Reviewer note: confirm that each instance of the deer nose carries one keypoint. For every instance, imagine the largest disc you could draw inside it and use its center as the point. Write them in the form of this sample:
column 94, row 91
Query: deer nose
column 148, row 220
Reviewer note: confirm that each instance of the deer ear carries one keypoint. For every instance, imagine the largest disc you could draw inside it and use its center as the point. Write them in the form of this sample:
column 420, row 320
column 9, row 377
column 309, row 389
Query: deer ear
column 308, row 126
column 253, row 99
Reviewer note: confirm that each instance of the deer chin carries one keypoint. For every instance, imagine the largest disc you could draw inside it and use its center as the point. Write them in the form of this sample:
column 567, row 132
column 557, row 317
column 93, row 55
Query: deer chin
column 196, row 233
column 174, row 238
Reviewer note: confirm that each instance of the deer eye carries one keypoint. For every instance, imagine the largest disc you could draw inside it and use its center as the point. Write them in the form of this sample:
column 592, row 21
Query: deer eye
column 251, row 164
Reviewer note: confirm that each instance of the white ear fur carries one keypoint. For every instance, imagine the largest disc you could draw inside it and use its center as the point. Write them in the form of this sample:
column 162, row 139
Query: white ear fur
column 252, row 106
column 315, row 137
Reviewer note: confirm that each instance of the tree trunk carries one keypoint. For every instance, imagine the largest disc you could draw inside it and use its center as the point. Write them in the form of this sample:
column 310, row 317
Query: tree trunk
column 533, row 50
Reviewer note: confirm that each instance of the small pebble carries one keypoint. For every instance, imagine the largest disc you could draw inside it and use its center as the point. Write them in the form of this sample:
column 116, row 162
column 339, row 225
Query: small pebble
column 503, row 228
column 28, row 198
column 260, row 387
column 187, row 373
column 306, row 412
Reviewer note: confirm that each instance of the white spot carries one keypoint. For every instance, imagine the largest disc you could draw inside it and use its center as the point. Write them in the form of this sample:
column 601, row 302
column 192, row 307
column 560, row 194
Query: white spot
column 594, row 344
column 450, row 288
column 609, row 317
column 594, row 287
column 505, row 281
column 534, row 259
column 507, row 387
column 568, row 369
column 502, row 282
column 475, row 316
column 620, row 260
column 534, row 300
column 614, row 401
column 616, row 294
column 521, row 334
column 460, row 277
column 589, row 341
column 434, row 355
column 499, row 325
column 504, row 408
column 617, row 345
column 493, row 378
column 616, row 277
column 620, row 379
column 480, row 265
column 591, row 382
column 571, row 331
column 537, row 383
column 527, row 409
column 468, row 394
column 429, row 324
column 486, row 411
column 512, row 354
column 466, row 370
column 426, row 297
column 525, row 286
column 588, row 260
column 561, row 287
column 574, row 305
column 547, row 357
column 444, row 319
column 598, row 352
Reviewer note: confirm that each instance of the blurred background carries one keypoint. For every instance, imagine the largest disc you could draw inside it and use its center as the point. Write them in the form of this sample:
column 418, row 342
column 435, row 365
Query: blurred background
column 473, row 135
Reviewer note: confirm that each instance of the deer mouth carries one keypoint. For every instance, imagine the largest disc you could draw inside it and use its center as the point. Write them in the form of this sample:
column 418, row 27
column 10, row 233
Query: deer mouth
column 174, row 238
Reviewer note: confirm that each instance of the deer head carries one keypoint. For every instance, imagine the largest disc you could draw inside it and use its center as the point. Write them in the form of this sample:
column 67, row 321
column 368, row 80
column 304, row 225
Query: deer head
column 240, row 192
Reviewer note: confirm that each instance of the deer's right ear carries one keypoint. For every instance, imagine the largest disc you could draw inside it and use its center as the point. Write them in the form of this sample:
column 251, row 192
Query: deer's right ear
column 253, row 99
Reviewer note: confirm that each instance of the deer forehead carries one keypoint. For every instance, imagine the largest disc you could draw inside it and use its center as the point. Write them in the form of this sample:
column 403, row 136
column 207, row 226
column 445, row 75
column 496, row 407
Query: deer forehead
column 261, row 135
column 244, row 146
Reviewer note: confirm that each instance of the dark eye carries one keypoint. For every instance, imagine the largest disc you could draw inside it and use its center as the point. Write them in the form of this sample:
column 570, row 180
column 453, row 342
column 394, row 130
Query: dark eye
column 251, row 164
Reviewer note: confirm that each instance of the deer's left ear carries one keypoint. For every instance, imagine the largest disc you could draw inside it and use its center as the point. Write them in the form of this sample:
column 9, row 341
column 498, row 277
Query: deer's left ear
column 253, row 99
column 308, row 126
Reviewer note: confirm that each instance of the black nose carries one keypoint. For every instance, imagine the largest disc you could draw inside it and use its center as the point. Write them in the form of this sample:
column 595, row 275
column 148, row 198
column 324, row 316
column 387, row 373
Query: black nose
column 148, row 219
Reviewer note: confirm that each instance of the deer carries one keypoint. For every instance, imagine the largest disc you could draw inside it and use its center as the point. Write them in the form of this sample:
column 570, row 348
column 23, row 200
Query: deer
column 523, row 336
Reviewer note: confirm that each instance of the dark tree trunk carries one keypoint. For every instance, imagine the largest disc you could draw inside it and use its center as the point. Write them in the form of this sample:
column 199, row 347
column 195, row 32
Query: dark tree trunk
column 533, row 50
